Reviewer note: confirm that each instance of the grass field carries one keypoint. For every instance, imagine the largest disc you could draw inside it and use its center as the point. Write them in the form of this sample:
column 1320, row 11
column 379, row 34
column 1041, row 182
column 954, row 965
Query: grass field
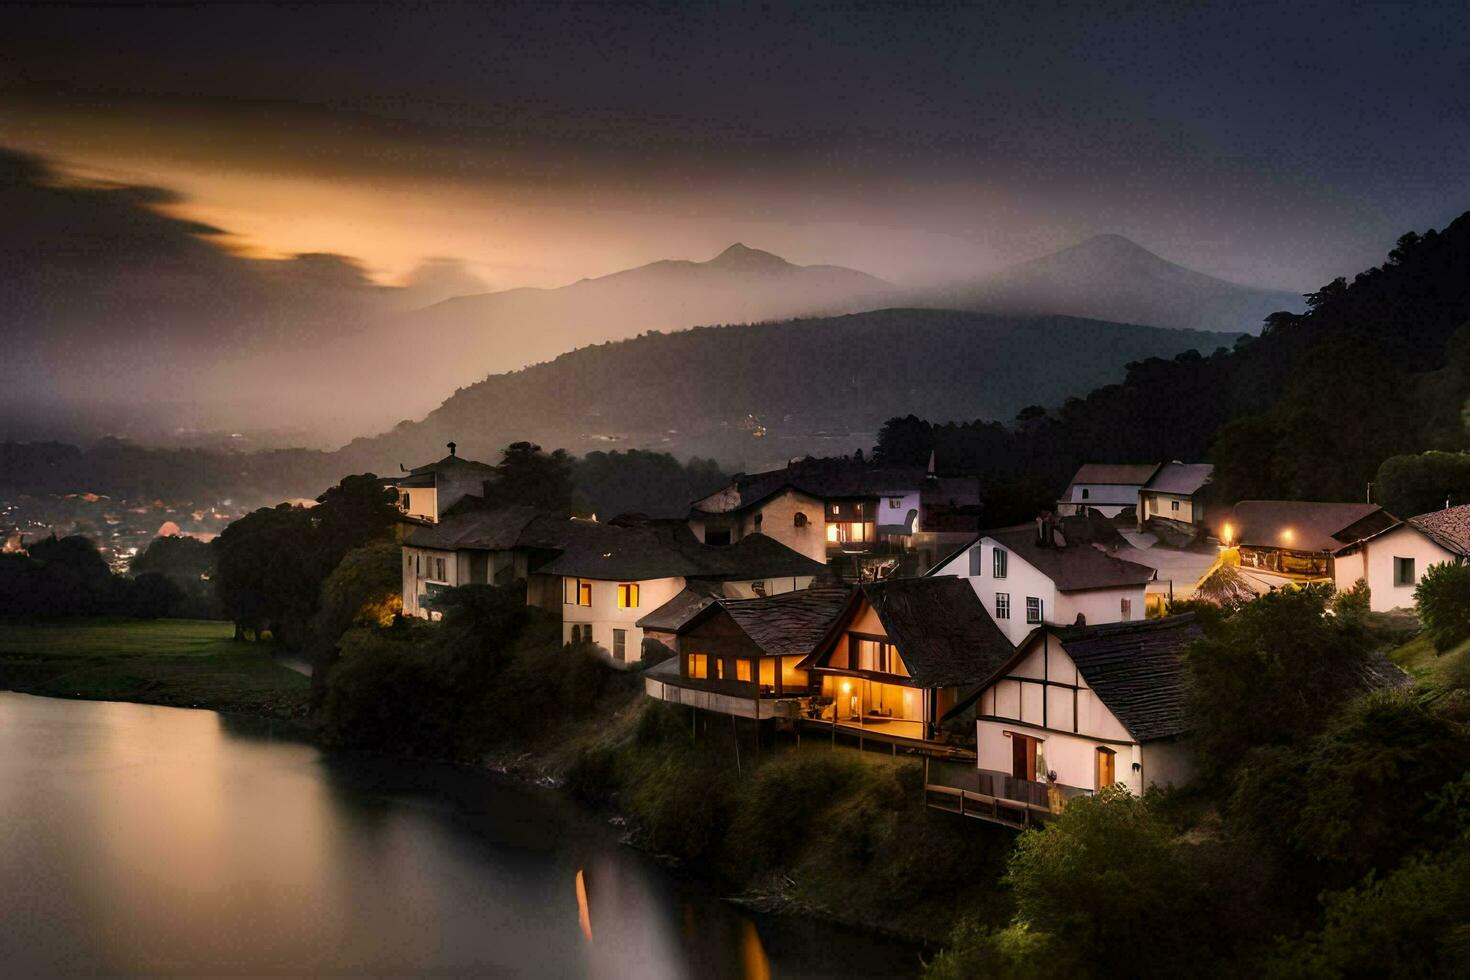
column 184, row 663
column 1419, row 659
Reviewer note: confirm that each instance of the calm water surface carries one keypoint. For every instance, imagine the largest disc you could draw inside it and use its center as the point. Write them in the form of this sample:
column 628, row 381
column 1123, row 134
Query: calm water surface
column 136, row 839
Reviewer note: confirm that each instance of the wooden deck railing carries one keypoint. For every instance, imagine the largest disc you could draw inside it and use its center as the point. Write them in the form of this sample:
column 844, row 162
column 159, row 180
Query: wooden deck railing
column 995, row 796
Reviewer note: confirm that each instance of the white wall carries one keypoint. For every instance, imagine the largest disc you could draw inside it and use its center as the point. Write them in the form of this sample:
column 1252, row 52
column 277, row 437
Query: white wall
column 605, row 616
column 1023, row 702
column 1099, row 606
column 1374, row 561
column 906, row 501
column 416, row 575
column 777, row 521
column 1024, row 580
column 1156, row 504
column 421, row 502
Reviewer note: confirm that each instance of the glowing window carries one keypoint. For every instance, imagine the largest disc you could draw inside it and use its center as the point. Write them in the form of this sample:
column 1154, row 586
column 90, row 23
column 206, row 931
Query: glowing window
column 698, row 666
column 742, row 670
column 628, row 595
column 578, row 592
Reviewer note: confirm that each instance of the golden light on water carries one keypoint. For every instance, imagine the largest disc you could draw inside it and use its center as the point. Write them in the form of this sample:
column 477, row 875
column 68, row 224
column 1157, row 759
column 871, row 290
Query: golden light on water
column 753, row 962
column 584, row 914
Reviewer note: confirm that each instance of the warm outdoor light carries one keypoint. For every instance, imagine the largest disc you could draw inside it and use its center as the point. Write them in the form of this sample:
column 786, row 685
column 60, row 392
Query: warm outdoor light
column 1286, row 536
column 1227, row 534
column 846, row 687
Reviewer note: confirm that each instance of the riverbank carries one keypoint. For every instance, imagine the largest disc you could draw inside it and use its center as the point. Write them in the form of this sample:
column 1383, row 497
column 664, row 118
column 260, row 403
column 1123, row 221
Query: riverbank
column 816, row 832
column 175, row 663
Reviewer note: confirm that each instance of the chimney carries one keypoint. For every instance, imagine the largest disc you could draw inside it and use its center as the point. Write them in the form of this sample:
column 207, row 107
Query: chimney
column 451, row 448
column 1041, row 535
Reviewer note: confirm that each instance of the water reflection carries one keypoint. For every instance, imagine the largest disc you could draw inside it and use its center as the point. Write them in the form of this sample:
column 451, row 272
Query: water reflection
column 154, row 840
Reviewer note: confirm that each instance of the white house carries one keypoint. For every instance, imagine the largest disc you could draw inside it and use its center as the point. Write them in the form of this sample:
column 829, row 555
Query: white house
column 431, row 490
column 1028, row 575
column 600, row 579
column 1392, row 561
column 1076, row 710
column 1108, row 488
column 1172, row 496
column 864, row 520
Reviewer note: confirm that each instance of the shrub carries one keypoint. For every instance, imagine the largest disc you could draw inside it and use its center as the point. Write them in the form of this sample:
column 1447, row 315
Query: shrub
column 1443, row 600
column 781, row 800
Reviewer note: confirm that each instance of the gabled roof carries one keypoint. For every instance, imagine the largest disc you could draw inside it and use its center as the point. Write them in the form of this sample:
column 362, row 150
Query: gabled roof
column 754, row 556
column 1181, row 478
column 424, row 476
column 1313, row 525
column 1137, row 670
column 1072, row 568
column 825, row 479
column 674, row 615
column 1449, row 528
column 940, row 627
column 787, row 625
column 1116, row 474
column 496, row 529
column 665, row 550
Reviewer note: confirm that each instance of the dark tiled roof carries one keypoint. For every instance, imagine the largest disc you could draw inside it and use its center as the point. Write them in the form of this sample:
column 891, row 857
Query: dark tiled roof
column 1449, row 528
column 828, row 479
column 1137, row 669
column 941, row 629
column 790, row 624
column 496, row 529
column 1314, row 525
column 754, row 556
column 1073, row 568
column 663, row 550
column 675, row 614
column 453, row 462
column 1117, row 474
column 1181, row 478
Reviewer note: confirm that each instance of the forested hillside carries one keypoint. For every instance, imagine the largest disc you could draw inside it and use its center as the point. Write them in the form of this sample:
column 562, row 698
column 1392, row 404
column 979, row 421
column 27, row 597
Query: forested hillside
column 1376, row 367
column 758, row 395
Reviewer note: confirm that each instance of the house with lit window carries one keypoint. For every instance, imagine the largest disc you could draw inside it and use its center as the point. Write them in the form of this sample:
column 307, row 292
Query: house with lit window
column 1029, row 575
column 866, row 521
column 742, row 657
column 1297, row 540
column 430, row 491
column 484, row 546
column 1173, row 498
column 1110, row 489
column 900, row 655
column 1069, row 712
column 610, row 577
column 1393, row 560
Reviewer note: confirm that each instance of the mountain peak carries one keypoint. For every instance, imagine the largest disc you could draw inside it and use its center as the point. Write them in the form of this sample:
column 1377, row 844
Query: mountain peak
column 1111, row 244
column 741, row 256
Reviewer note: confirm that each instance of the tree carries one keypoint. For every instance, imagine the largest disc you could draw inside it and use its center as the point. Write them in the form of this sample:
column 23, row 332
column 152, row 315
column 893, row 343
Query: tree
column 1443, row 600
column 365, row 589
column 269, row 571
column 527, row 475
column 1108, row 877
column 1280, row 662
column 1422, row 482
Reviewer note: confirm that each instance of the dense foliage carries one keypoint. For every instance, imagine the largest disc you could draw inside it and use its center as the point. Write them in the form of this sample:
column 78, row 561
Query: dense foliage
column 1327, row 832
column 1442, row 598
column 63, row 577
column 272, row 563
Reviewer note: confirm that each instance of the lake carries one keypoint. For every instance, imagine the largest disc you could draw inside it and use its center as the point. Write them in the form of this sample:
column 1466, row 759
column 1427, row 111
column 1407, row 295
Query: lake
column 138, row 839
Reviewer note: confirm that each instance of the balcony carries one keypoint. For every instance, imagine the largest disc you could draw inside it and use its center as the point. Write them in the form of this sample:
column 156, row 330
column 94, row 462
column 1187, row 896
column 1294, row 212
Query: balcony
column 996, row 797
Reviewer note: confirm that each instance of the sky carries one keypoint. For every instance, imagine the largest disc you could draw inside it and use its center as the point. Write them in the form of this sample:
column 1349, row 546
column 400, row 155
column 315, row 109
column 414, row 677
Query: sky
column 1274, row 144
column 185, row 172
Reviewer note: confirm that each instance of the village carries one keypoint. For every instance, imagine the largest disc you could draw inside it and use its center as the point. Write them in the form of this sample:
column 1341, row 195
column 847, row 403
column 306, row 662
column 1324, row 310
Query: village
column 871, row 606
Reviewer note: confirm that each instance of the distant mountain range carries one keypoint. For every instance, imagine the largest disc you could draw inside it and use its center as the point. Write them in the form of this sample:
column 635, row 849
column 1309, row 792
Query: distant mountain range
column 405, row 365
column 1111, row 278
column 759, row 394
